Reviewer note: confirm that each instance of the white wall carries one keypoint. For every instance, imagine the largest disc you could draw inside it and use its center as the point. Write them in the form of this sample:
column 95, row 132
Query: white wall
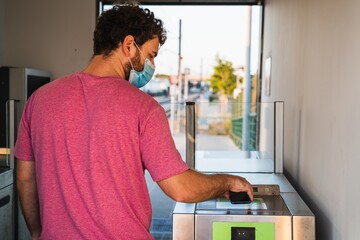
column 315, row 52
column 2, row 28
column 46, row 34
column 50, row 35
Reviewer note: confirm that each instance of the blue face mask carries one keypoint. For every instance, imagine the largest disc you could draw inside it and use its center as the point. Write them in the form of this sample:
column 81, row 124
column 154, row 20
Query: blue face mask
column 140, row 79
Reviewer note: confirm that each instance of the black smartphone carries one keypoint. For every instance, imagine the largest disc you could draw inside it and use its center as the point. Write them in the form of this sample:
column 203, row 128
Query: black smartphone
column 239, row 198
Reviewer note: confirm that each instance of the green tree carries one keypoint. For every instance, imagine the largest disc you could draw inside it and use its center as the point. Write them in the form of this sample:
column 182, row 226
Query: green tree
column 223, row 80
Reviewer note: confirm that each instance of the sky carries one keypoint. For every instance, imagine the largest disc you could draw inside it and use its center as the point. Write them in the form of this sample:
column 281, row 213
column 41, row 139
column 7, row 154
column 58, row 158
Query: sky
column 207, row 31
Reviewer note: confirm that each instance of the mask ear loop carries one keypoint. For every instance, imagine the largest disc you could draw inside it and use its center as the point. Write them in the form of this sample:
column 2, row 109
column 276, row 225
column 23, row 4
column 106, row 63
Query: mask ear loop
column 132, row 66
column 139, row 50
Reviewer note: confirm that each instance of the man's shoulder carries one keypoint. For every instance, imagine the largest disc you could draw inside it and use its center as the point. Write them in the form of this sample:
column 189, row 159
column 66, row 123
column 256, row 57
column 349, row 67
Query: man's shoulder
column 61, row 80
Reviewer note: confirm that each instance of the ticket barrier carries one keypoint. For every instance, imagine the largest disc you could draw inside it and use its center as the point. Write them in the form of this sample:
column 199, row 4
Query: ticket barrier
column 277, row 212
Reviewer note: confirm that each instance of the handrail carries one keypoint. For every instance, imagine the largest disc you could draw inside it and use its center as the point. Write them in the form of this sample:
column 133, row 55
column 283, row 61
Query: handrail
column 190, row 134
column 11, row 125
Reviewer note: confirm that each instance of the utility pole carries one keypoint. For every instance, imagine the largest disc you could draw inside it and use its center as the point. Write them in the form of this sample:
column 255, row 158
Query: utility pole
column 247, row 90
column 179, row 83
column 186, row 83
column 179, row 66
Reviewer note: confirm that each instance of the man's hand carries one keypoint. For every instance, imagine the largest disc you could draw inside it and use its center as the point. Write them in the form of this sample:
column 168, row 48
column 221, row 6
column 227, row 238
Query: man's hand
column 192, row 186
column 240, row 184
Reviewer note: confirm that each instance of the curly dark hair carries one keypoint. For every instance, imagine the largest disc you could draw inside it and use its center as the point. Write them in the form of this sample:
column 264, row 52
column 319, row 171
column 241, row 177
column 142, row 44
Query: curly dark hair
column 115, row 24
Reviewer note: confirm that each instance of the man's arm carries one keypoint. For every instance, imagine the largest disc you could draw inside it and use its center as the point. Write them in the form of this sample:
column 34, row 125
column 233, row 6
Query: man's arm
column 26, row 185
column 192, row 186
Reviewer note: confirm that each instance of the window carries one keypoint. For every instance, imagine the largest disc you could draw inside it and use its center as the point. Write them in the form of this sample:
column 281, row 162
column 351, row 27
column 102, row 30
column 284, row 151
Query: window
column 203, row 35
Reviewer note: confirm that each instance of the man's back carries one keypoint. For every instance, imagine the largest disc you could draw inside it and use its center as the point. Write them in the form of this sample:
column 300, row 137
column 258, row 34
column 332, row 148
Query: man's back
column 92, row 139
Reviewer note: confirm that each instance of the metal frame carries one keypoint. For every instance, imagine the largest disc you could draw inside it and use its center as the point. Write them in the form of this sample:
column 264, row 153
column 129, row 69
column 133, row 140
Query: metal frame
column 278, row 137
column 101, row 3
column 190, row 2
column 190, row 134
column 12, row 128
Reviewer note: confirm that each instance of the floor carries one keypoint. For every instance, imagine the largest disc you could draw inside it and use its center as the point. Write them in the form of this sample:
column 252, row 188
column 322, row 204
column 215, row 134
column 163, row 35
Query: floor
column 162, row 207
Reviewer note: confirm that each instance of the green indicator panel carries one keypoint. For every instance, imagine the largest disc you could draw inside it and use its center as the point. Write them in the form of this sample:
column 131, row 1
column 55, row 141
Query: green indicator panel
column 243, row 231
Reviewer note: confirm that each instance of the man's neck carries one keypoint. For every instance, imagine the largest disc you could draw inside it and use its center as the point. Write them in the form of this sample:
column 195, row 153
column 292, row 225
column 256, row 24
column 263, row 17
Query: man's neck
column 101, row 66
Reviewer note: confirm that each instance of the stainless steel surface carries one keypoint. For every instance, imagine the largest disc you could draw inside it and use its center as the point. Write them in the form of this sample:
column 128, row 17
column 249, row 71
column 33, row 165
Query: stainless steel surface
column 190, row 134
column 6, row 177
column 268, row 178
column 204, row 223
column 303, row 217
column 18, row 90
column 184, row 221
column 279, row 136
column 183, row 227
column 266, row 189
column 304, row 228
column 296, row 205
column 274, row 204
column 6, row 204
column 11, row 128
column 292, row 217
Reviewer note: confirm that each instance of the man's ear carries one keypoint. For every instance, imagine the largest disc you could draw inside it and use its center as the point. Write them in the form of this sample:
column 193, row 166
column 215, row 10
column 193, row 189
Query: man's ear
column 128, row 46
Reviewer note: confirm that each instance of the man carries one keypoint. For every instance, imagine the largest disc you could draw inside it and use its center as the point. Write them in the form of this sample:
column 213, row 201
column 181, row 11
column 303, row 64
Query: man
column 86, row 139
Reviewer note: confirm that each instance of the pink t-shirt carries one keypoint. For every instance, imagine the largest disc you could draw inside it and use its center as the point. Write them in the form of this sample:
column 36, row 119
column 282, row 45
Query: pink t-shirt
column 91, row 139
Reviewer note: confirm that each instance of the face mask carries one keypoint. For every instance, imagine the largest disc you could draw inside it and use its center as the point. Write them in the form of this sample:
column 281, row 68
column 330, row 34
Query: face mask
column 140, row 79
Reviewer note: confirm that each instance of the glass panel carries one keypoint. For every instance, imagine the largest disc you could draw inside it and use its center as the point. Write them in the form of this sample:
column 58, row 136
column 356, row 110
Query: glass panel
column 226, row 141
column 162, row 205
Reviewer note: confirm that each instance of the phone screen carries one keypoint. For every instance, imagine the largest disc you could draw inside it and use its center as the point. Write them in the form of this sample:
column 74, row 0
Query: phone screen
column 239, row 198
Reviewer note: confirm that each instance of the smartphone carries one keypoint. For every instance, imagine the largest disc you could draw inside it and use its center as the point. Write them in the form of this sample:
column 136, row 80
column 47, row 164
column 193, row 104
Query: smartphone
column 239, row 198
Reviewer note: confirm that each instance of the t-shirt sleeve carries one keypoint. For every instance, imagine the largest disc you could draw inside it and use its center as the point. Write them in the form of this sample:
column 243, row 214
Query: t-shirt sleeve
column 159, row 154
column 23, row 148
